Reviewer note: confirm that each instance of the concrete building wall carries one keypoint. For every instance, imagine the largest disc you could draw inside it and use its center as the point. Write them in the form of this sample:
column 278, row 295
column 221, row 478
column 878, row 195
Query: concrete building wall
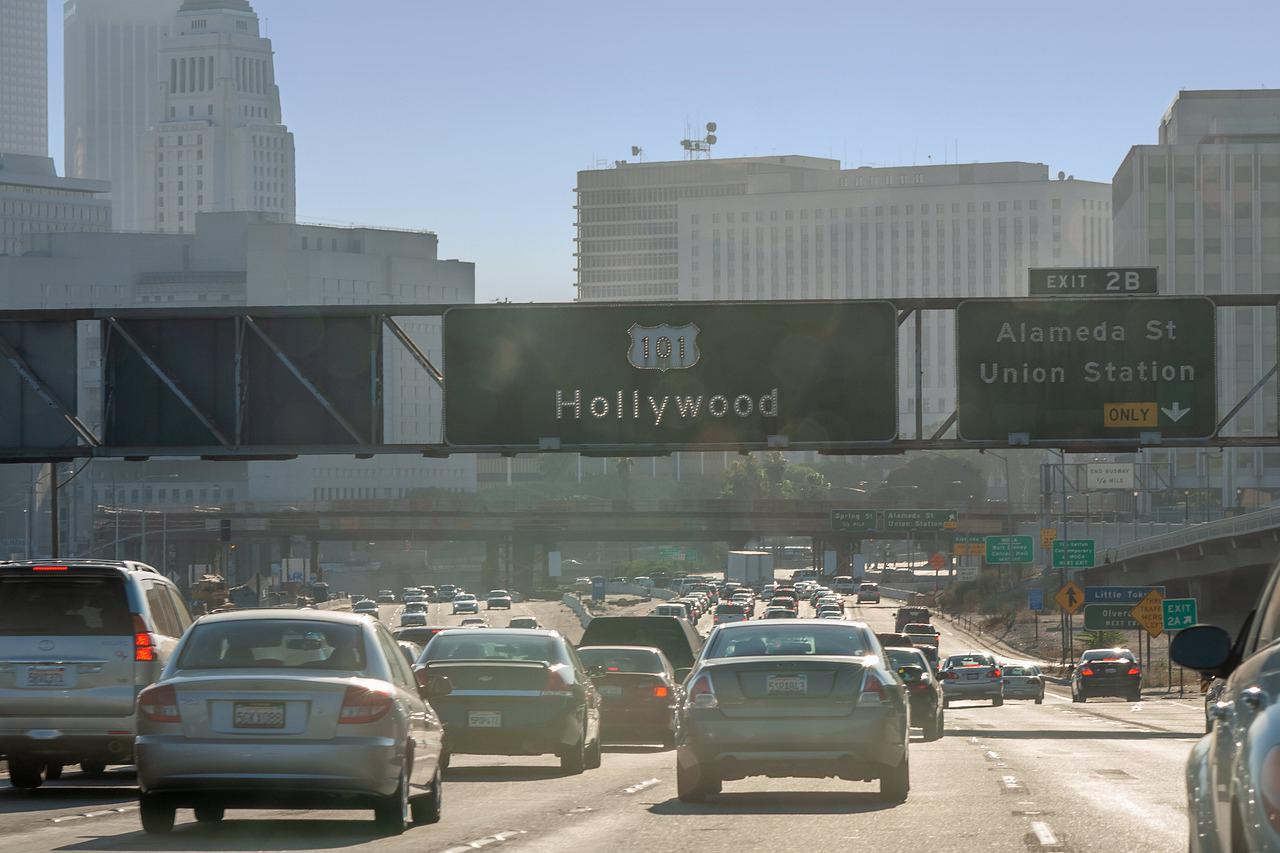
column 24, row 78
column 34, row 200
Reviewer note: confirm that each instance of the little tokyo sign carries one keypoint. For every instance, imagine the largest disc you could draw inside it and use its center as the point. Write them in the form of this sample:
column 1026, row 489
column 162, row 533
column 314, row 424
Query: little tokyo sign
column 673, row 375
column 1086, row 368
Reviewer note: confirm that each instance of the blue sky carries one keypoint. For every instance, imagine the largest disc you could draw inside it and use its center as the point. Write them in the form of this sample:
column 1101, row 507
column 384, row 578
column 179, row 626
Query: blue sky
column 471, row 118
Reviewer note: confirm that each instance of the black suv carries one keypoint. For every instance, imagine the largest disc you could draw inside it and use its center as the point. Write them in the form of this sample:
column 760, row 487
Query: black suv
column 1106, row 672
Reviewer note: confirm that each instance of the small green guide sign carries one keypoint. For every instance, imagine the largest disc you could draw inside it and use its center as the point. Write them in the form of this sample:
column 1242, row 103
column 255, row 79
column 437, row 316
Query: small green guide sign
column 1109, row 617
column 1073, row 553
column 1179, row 613
column 920, row 519
column 1009, row 549
column 853, row 520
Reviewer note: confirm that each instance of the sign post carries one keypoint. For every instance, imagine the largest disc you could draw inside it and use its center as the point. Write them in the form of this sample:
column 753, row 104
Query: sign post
column 1086, row 368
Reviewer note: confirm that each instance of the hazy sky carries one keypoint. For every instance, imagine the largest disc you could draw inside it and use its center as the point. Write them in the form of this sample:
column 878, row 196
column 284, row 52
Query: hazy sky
column 471, row 118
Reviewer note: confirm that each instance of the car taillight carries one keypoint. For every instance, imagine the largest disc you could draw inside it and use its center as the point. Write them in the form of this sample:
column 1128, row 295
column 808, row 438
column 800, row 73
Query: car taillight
column 701, row 693
column 555, row 684
column 995, row 673
column 660, row 691
column 873, row 691
column 144, row 646
column 159, row 704
column 943, row 676
column 1133, row 670
column 48, row 568
column 1086, row 671
column 364, row 705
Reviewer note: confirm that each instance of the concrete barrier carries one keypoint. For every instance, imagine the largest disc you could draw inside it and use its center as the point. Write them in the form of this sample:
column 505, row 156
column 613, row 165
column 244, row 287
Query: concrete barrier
column 572, row 602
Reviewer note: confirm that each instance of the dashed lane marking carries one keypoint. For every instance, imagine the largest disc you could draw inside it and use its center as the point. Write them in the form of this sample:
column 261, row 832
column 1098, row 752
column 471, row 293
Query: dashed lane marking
column 103, row 813
column 488, row 840
column 1044, row 836
column 1011, row 785
column 992, row 755
column 640, row 786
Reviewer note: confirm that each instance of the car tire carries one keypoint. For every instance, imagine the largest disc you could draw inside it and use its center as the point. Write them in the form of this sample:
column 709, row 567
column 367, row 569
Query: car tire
column 93, row 769
column 694, row 786
column 1135, row 697
column 896, row 784
column 52, row 770
column 25, row 773
column 669, row 739
column 997, row 702
column 933, row 728
column 428, row 808
column 946, row 703
column 593, row 755
column 391, row 814
column 574, row 759
column 157, row 814
column 210, row 813
column 445, row 758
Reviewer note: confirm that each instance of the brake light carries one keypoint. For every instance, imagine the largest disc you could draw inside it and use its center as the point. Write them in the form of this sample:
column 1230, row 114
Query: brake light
column 144, row 646
column 873, row 691
column 555, row 683
column 661, row 692
column 48, row 568
column 995, row 673
column 943, row 676
column 612, row 669
column 1086, row 671
column 702, row 694
column 364, row 705
column 159, row 704
column 1135, row 671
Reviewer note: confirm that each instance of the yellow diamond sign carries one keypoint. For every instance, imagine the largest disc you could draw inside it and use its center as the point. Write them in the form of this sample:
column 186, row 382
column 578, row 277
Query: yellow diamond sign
column 1071, row 598
column 1150, row 613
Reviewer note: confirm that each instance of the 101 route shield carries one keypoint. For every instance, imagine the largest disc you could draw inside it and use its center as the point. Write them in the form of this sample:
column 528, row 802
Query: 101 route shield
column 688, row 375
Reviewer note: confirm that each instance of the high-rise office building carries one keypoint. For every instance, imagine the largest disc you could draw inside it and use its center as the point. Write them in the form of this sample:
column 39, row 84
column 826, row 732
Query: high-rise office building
column 24, row 78
column 219, row 143
column 111, row 68
column 1203, row 206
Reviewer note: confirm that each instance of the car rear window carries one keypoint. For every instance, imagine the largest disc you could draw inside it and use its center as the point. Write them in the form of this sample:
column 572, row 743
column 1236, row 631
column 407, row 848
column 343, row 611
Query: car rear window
column 1019, row 670
column 471, row 646
column 421, row 636
column 274, row 644
column 904, row 657
column 661, row 632
column 621, row 660
column 789, row 640
column 730, row 609
column 968, row 660
column 64, row 605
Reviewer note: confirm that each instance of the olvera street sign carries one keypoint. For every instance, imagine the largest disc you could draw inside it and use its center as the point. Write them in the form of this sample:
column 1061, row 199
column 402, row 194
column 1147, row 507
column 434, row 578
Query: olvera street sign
column 1086, row 368
column 690, row 375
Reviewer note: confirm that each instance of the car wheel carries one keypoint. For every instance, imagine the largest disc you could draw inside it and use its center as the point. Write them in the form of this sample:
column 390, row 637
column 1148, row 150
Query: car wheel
column 933, row 728
column 695, row 785
column 157, row 814
column 574, row 758
column 593, row 756
column 669, row 739
column 428, row 808
column 209, row 813
column 997, row 702
column 93, row 769
column 895, row 785
column 25, row 773
column 1040, row 698
column 1136, row 696
column 53, row 770
column 391, row 814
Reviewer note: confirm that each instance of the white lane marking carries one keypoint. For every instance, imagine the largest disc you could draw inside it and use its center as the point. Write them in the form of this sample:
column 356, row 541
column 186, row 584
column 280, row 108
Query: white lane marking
column 992, row 755
column 496, row 838
column 1011, row 784
column 640, row 786
column 83, row 815
column 1044, row 835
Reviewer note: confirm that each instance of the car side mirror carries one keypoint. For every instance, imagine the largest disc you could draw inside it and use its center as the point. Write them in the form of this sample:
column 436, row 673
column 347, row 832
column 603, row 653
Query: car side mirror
column 1204, row 648
column 433, row 686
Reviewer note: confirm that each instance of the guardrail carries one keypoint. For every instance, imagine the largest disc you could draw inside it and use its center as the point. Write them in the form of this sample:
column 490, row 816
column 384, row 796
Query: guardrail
column 1252, row 522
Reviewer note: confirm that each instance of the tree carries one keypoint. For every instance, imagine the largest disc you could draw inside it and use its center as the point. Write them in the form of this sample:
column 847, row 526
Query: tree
column 748, row 478
column 934, row 479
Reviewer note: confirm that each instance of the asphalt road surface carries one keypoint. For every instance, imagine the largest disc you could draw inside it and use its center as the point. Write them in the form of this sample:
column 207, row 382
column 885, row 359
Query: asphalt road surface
column 1103, row 777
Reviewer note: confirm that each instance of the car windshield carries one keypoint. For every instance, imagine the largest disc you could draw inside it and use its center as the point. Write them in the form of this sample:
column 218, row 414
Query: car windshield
column 274, row 644
column 621, row 660
column 485, row 645
column 804, row 639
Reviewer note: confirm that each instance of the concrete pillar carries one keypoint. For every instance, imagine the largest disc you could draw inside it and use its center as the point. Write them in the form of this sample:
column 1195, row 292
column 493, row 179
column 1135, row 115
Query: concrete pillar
column 317, row 573
column 489, row 570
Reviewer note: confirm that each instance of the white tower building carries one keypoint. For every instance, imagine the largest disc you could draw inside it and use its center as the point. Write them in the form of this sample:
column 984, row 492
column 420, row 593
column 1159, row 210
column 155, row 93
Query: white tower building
column 24, row 73
column 219, row 144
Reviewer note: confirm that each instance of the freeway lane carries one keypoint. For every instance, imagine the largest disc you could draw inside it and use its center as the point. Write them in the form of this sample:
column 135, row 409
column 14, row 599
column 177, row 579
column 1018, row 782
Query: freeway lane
column 1102, row 777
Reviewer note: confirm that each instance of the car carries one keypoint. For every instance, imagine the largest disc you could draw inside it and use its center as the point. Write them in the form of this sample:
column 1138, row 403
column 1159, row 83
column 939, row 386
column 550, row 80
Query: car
column 834, row 610
column 726, row 612
column 640, row 693
column 524, row 622
column 1023, row 681
column 444, row 593
column 907, row 615
column 413, row 618
column 772, row 612
column 892, row 638
column 1212, row 688
column 465, row 603
column 415, row 599
column 386, row 596
column 831, row 614
column 696, row 607
column 1231, row 771
column 972, row 675
column 415, row 607
column 515, row 692
column 868, row 593
column 676, row 608
column 786, row 600
column 89, row 634
column 930, row 654
column 336, row 718
column 676, row 638
column 498, row 599
column 418, row 634
column 810, row 698
column 844, row 585
column 474, row 622
column 408, row 593
column 366, row 608
column 924, row 691
column 410, row 651
column 1106, row 672
column 922, row 633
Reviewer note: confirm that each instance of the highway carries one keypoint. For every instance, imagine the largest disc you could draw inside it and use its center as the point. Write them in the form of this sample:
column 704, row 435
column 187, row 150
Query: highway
column 1102, row 777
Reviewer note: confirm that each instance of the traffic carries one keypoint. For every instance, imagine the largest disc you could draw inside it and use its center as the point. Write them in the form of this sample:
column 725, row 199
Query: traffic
column 367, row 714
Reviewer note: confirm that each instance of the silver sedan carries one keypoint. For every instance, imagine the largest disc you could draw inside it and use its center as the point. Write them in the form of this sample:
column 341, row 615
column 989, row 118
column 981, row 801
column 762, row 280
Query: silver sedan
column 289, row 709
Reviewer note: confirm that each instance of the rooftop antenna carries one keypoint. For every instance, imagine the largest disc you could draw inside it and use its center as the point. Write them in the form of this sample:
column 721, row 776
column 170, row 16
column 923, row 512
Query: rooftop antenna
column 693, row 148
column 637, row 151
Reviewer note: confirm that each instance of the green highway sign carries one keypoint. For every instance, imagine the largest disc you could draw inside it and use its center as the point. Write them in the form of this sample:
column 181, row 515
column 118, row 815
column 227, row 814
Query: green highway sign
column 920, row 519
column 1009, row 549
column 1073, row 553
column 1086, row 368
column 1179, row 613
column 853, row 520
column 676, row 375
column 1092, row 281
column 1110, row 617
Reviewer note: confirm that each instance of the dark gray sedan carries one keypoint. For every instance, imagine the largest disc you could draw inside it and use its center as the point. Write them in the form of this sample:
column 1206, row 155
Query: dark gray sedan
column 805, row 697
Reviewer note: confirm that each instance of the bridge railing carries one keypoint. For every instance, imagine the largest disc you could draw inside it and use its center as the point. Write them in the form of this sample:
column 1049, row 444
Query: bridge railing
column 1238, row 525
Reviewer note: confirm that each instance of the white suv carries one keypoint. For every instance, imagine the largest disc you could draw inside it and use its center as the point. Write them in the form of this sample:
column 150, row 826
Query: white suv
column 78, row 640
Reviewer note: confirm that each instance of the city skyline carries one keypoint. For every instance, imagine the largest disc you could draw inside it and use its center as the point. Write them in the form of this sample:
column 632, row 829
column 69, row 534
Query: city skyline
column 555, row 104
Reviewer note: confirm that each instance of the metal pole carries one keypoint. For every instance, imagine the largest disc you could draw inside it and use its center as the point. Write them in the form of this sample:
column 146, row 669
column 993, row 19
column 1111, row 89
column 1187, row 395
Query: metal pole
column 142, row 543
column 54, row 544
column 919, row 375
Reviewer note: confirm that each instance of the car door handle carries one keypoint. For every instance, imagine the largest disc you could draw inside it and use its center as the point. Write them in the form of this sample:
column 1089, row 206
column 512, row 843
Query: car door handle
column 1254, row 697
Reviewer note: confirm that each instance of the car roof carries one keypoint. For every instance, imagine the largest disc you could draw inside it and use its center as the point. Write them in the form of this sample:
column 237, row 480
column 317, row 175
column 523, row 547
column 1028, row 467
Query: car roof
column 654, row 649
column 88, row 562
column 498, row 632
column 791, row 623
column 286, row 615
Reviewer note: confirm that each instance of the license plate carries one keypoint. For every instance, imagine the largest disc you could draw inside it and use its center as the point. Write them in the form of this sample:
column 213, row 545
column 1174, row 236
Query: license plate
column 484, row 719
column 258, row 715
column 46, row 676
column 610, row 691
column 787, row 684
column 973, row 676
column 1111, row 670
